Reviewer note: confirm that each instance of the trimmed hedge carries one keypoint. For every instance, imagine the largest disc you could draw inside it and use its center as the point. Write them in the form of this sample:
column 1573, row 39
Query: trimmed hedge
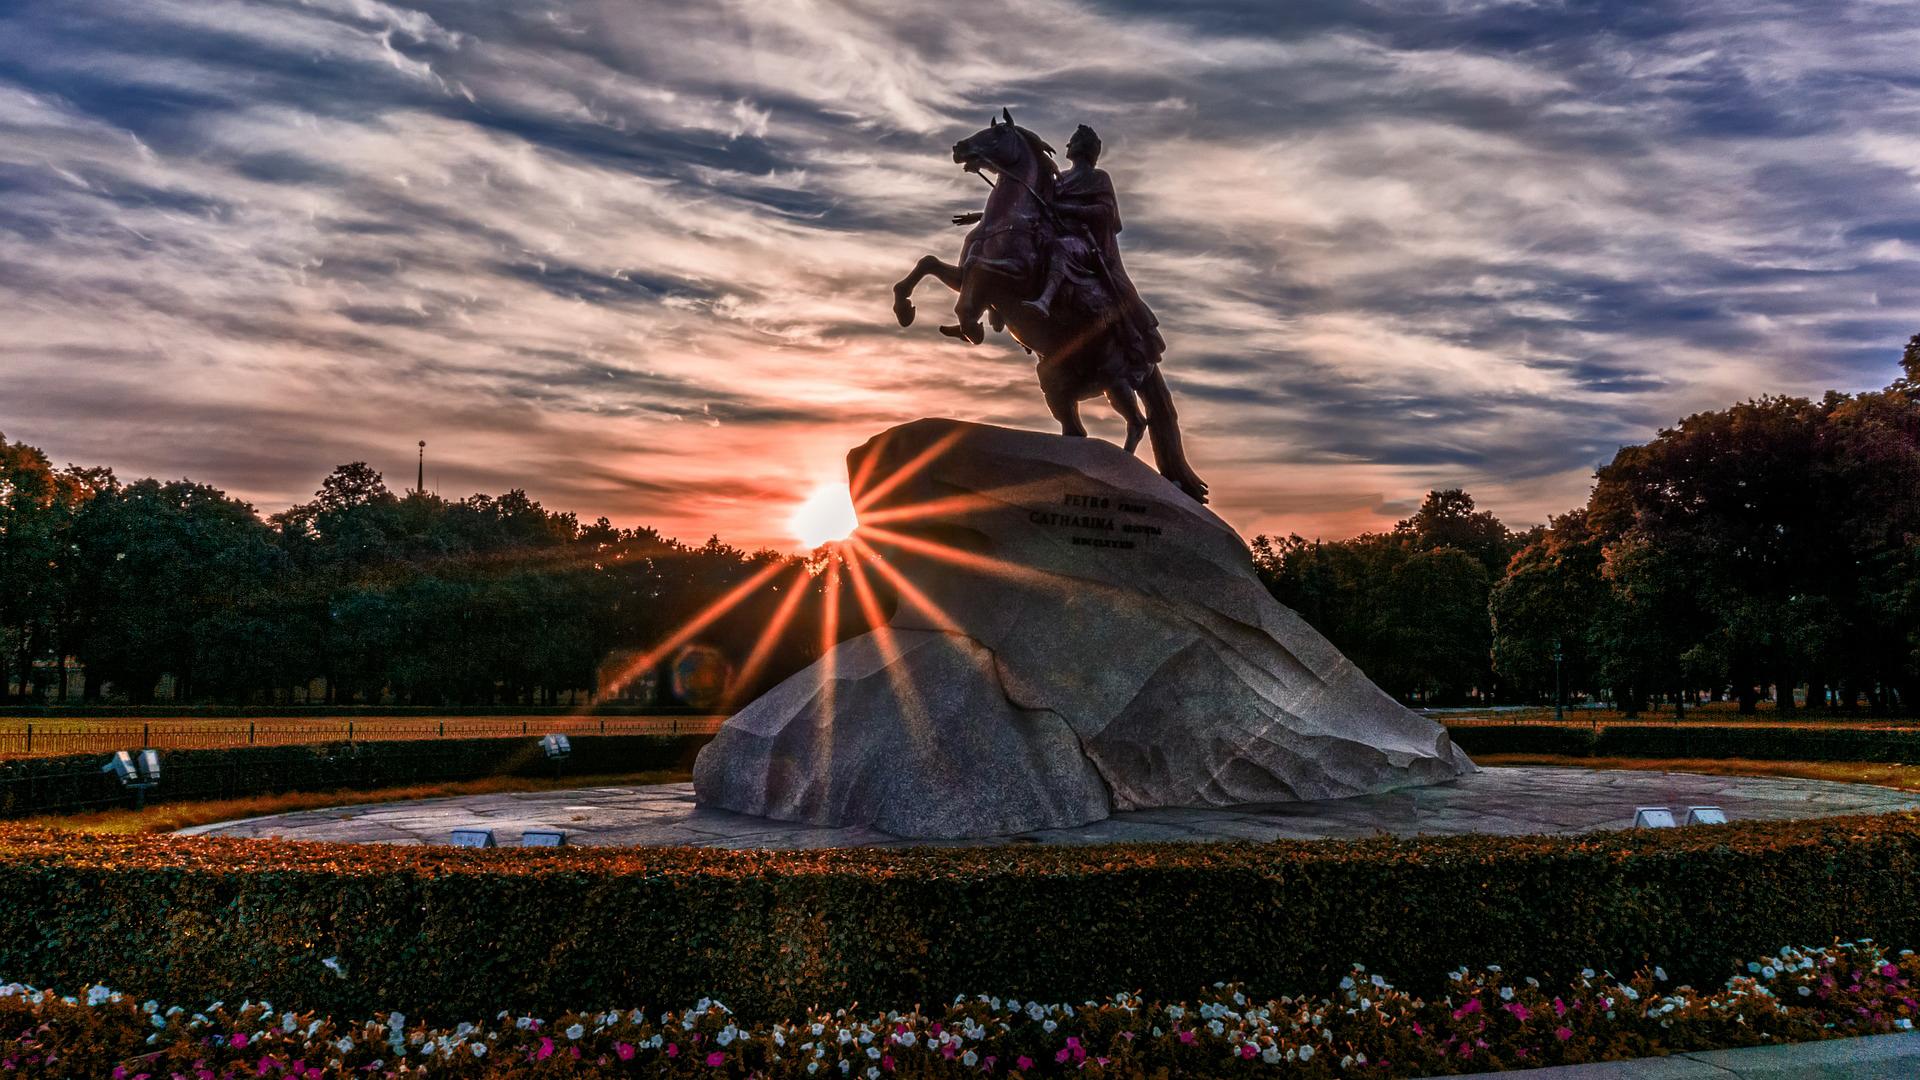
column 30, row 786
column 448, row 933
column 1763, row 742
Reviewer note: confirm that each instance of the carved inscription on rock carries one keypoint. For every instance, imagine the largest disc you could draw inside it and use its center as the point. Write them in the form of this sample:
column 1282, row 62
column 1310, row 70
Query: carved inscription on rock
column 1098, row 521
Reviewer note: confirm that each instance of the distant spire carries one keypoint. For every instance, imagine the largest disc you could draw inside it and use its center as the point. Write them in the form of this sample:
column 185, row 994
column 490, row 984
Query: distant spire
column 420, row 477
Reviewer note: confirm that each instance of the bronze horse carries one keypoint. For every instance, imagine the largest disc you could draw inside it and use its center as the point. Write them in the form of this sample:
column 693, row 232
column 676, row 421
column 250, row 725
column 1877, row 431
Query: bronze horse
column 1083, row 342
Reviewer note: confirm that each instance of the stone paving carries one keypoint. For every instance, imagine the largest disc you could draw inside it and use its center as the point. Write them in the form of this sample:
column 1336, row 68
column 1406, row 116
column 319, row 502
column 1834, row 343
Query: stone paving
column 1507, row 801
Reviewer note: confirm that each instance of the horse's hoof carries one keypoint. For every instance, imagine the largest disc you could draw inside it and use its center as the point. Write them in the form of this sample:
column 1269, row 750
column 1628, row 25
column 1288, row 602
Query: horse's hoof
column 972, row 335
column 903, row 310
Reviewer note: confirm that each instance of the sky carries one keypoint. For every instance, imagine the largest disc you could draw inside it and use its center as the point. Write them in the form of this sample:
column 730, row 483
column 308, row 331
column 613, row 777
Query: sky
column 635, row 257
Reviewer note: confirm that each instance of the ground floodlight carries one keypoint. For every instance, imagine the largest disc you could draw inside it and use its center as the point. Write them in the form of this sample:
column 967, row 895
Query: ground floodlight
column 1652, row 817
column 473, row 838
column 544, row 838
column 1706, row 815
column 135, row 774
column 556, row 746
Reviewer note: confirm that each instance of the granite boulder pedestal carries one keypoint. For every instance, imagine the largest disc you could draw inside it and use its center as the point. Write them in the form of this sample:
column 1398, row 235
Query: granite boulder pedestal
column 1074, row 635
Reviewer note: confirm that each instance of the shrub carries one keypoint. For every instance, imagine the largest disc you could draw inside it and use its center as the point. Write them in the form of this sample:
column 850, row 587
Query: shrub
column 1771, row 742
column 451, row 932
column 54, row 785
column 1367, row 1028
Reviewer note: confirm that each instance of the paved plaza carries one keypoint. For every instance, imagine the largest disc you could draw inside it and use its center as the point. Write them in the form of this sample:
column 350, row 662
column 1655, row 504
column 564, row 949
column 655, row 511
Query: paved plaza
column 1505, row 801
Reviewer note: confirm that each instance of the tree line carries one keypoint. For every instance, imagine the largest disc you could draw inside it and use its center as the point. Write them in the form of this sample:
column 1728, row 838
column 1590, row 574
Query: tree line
column 1770, row 550
column 360, row 595
column 1751, row 552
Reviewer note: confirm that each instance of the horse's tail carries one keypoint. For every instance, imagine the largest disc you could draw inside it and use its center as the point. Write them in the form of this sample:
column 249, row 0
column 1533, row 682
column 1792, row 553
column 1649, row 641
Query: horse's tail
column 1163, row 430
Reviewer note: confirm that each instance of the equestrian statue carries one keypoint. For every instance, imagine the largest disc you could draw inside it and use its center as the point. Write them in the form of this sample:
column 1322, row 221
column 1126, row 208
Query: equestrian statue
column 1042, row 262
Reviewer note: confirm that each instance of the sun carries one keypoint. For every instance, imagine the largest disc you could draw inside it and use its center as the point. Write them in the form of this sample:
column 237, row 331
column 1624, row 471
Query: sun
column 824, row 516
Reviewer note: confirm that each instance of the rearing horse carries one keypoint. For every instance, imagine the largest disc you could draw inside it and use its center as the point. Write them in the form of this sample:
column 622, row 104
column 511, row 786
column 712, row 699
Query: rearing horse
column 1083, row 343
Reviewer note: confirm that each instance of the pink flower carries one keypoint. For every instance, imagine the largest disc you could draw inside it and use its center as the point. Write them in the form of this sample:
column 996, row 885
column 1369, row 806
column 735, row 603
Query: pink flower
column 1563, row 1033
column 1472, row 1006
column 1417, row 1029
column 265, row 1066
column 239, row 1040
column 1023, row 1063
column 1186, row 1038
column 886, row 1060
column 673, row 1050
column 1889, row 970
column 716, row 1059
column 623, row 1051
column 1518, row 1010
column 1246, row 1050
column 546, row 1049
column 1559, row 1007
column 1063, row 1055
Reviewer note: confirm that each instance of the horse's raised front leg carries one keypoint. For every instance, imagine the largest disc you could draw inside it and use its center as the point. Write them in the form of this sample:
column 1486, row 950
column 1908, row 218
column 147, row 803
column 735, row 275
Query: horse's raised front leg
column 971, row 305
column 928, row 266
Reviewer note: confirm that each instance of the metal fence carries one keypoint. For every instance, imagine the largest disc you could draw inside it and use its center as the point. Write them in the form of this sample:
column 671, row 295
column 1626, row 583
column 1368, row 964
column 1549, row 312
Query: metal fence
column 50, row 738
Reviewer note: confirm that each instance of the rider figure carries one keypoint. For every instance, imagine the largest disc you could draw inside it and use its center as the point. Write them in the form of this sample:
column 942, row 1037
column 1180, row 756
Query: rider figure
column 1085, row 203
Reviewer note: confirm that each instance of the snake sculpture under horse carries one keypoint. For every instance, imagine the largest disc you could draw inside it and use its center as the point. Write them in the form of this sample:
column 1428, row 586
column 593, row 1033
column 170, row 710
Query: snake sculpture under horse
column 1088, row 341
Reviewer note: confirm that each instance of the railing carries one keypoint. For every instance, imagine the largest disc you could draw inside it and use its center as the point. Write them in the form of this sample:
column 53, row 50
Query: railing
column 48, row 738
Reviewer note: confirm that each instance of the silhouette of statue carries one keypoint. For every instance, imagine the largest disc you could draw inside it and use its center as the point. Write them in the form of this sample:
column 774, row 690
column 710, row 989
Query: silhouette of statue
column 1043, row 260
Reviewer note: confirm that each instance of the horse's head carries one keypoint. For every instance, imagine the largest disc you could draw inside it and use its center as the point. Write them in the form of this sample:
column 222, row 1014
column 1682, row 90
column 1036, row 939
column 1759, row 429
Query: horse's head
column 1004, row 147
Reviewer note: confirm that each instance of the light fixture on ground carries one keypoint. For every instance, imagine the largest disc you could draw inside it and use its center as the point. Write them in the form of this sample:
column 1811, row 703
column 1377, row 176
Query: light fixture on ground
column 1653, row 817
column 473, row 838
column 1706, row 815
column 136, row 774
column 558, row 749
column 544, row 838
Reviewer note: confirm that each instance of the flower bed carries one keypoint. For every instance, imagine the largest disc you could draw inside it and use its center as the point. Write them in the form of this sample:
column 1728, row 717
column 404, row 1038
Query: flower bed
column 1483, row 1019
column 353, row 928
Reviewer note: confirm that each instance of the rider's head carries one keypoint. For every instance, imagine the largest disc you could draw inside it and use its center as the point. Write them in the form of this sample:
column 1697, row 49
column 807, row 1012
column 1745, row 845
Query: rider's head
column 1084, row 146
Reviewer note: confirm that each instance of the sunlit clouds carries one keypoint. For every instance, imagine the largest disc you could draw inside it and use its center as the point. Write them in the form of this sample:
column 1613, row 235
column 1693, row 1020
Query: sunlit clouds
column 635, row 258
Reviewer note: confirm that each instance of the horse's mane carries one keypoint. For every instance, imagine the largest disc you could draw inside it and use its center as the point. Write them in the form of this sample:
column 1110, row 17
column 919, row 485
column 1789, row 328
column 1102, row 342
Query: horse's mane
column 1042, row 152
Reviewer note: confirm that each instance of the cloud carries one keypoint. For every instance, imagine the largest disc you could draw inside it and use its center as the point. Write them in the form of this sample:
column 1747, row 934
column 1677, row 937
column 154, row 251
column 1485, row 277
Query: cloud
column 636, row 258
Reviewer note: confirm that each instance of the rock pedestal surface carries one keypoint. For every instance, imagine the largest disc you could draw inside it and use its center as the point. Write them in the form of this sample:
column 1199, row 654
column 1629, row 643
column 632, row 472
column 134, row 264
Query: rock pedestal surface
column 1074, row 636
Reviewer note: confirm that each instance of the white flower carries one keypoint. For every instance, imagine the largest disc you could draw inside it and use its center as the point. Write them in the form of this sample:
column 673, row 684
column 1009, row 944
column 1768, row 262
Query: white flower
column 779, row 1037
column 288, row 1023
column 1506, row 993
column 725, row 1038
column 344, row 1045
column 817, row 1028
column 523, row 1023
column 812, row 1067
column 1306, row 1051
column 1586, row 973
column 1049, row 1027
column 1347, row 1062
column 1216, row 1027
column 576, row 1031
column 479, row 1049
column 98, row 996
column 1271, row 1055
column 1034, row 1010
column 1660, row 973
column 332, row 963
column 1806, row 992
column 873, row 1072
column 969, row 1059
column 396, row 1021
column 1904, row 1024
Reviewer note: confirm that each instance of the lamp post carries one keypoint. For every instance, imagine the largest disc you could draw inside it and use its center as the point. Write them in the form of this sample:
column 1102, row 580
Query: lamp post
column 1559, row 687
